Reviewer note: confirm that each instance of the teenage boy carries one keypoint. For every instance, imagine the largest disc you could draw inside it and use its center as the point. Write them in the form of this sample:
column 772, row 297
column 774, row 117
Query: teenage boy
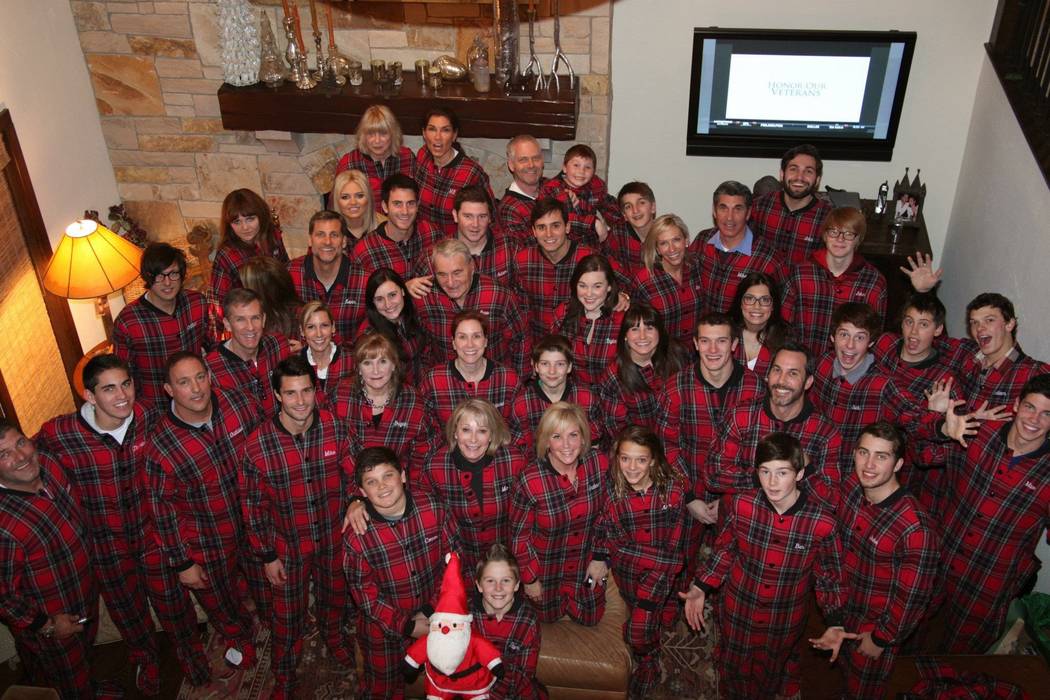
column 192, row 462
column 525, row 163
column 244, row 362
column 295, row 486
column 100, row 448
column 730, row 250
column 396, row 243
column 832, row 276
column 624, row 244
column 592, row 210
column 785, row 409
column 394, row 568
column 996, row 510
column 326, row 274
column 891, row 555
column 776, row 545
column 163, row 321
column 791, row 216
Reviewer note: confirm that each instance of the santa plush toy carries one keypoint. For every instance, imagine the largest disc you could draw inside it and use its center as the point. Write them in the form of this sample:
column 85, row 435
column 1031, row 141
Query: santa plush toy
column 458, row 665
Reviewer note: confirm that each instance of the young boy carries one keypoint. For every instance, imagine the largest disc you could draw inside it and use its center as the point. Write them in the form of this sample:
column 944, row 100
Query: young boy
column 638, row 207
column 775, row 546
column 394, row 569
column 592, row 210
column 891, row 555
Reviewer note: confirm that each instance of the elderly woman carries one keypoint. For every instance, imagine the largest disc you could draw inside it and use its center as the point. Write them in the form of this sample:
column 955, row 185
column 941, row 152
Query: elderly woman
column 247, row 230
column 470, row 375
column 554, row 514
column 352, row 197
column 670, row 279
column 589, row 319
column 379, row 410
column 443, row 169
column 330, row 361
column 472, row 474
column 380, row 151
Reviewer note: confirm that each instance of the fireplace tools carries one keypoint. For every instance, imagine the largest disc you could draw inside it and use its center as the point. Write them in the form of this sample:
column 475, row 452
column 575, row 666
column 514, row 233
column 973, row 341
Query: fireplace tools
column 533, row 69
column 559, row 55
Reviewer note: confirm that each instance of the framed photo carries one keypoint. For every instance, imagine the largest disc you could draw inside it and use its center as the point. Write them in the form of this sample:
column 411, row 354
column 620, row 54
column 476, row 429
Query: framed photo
column 908, row 197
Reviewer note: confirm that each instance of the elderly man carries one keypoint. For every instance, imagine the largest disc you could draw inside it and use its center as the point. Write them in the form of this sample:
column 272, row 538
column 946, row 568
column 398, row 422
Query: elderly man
column 525, row 163
column 458, row 287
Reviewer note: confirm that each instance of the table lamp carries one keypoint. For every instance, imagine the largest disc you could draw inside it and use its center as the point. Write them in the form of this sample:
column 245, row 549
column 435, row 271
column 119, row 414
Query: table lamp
column 92, row 262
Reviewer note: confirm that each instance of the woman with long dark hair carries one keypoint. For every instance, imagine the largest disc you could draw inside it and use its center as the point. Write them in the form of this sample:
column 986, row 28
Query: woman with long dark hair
column 756, row 312
column 389, row 311
column 588, row 318
column 646, row 359
column 246, row 230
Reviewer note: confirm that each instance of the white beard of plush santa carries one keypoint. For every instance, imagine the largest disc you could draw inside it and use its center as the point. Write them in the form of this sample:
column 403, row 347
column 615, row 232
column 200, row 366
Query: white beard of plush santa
column 448, row 641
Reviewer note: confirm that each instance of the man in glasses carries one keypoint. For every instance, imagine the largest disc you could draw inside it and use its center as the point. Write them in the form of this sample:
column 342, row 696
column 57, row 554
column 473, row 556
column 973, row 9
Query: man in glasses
column 833, row 276
column 165, row 320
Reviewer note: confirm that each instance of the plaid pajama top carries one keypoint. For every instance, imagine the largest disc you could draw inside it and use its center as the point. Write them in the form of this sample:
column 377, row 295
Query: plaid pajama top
column 404, row 425
column 513, row 213
column 625, row 247
column 494, row 261
column 914, row 378
column 590, row 357
column 679, row 305
column 295, row 488
column 376, row 250
column 477, row 496
column 794, row 233
column 996, row 511
column 403, row 162
column 106, row 476
column 507, row 334
column 620, row 407
column 891, row 563
column 999, row 385
column 345, row 298
column 44, row 564
column 642, row 534
column 731, row 461
column 874, row 397
column 394, row 570
column 541, row 284
column 192, row 485
column 812, row 294
column 438, row 186
column 517, row 636
column 692, row 411
column 721, row 271
column 554, row 523
column 766, row 563
column 443, row 387
column 145, row 337
column 530, row 402
column 251, row 378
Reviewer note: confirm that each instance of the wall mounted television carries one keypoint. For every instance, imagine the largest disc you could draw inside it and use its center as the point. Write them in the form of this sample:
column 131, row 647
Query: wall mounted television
column 758, row 92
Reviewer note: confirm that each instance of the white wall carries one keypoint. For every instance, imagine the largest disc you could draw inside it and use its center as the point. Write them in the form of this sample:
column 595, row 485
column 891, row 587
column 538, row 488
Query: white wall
column 998, row 238
column 44, row 82
column 650, row 82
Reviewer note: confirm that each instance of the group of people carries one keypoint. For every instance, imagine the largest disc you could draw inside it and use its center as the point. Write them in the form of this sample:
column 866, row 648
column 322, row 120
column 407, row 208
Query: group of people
column 561, row 387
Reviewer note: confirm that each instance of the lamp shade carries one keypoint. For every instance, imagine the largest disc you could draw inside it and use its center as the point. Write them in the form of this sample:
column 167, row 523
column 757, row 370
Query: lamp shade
column 91, row 261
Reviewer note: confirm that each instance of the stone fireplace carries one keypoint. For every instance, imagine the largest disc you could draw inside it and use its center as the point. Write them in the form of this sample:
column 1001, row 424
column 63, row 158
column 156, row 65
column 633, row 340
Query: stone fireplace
column 156, row 68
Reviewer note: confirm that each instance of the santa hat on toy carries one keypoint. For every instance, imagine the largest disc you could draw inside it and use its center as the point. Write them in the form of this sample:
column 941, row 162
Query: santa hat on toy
column 452, row 601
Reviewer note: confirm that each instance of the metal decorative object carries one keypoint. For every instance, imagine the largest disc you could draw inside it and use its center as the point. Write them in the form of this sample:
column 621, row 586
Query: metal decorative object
column 451, row 68
column 508, row 37
column 533, row 69
column 296, row 57
column 271, row 71
column 559, row 55
column 239, row 38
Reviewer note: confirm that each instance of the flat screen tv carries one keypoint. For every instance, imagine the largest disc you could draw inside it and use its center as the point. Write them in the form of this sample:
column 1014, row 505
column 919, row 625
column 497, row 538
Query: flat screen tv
column 758, row 92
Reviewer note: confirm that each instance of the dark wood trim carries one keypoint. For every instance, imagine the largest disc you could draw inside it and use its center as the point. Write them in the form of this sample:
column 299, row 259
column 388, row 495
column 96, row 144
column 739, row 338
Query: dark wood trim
column 550, row 114
column 7, row 406
column 39, row 245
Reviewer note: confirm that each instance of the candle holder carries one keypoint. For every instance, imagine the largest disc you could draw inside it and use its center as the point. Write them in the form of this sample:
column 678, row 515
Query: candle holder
column 318, row 74
column 355, row 72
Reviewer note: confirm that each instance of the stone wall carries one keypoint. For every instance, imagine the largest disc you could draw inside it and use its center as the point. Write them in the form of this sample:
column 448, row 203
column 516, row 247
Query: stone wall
column 155, row 68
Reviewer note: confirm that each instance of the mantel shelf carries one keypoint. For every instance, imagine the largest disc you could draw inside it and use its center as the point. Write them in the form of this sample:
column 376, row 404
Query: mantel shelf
column 547, row 114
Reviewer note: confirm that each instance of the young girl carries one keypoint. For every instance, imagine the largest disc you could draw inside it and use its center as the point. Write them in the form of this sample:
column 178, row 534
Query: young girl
column 248, row 230
column 380, row 152
column 505, row 617
column 553, row 380
column 775, row 547
column 588, row 318
column 641, row 533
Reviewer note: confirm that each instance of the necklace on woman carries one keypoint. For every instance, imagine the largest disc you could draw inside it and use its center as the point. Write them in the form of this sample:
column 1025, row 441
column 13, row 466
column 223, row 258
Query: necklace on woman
column 377, row 405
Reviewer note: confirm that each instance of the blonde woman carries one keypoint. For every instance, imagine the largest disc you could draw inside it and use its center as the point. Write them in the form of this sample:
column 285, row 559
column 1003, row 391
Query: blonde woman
column 670, row 279
column 380, row 150
column 352, row 197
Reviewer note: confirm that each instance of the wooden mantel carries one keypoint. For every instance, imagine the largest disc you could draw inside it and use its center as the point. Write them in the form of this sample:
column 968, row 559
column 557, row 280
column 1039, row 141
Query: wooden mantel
column 547, row 114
